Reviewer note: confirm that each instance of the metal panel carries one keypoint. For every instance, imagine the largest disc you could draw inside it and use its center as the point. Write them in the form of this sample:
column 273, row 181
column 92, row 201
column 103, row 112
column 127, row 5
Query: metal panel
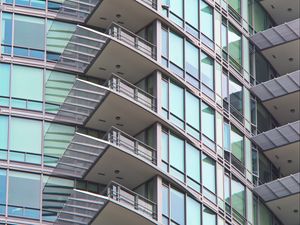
column 280, row 188
column 279, row 136
column 277, row 35
column 278, row 87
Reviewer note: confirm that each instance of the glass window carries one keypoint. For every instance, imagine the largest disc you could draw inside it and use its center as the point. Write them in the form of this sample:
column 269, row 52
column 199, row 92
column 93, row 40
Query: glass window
column 260, row 18
column 264, row 215
column 165, row 94
column 177, row 207
column 24, row 194
column 236, row 97
column 192, row 111
column 227, row 189
column 25, row 136
column 165, row 200
column 237, row 144
column 164, row 43
column 4, row 84
column 207, row 20
column 207, row 71
column 209, row 173
column 192, row 12
column 193, row 164
column 177, row 103
column 6, row 38
column 208, row 121
column 26, row 28
column 165, row 146
column 176, row 49
column 27, row 83
column 236, row 5
column 193, row 209
column 3, row 133
column 227, row 137
column 238, row 197
column 235, row 47
column 209, row 217
column 2, row 190
column 176, row 6
column 192, row 59
column 177, row 154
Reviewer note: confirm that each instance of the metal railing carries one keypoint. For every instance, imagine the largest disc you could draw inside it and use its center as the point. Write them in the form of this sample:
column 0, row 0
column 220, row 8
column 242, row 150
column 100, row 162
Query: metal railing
column 120, row 85
column 123, row 140
column 152, row 3
column 132, row 39
column 131, row 199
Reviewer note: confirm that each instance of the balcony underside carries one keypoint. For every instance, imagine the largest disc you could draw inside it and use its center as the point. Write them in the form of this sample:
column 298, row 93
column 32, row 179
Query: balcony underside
column 122, row 112
column 281, row 145
column 281, row 96
column 124, row 12
column 123, row 60
column 132, row 169
column 84, row 208
column 279, row 10
column 283, row 196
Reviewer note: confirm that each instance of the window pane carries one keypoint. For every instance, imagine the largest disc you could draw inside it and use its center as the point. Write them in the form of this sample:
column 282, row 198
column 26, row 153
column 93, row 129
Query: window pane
column 235, row 45
column 177, row 153
column 236, row 96
column 25, row 135
column 209, row 173
column 193, row 162
column 176, row 100
column 192, row 59
column 26, row 29
column 208, row 121
column 165, row 200
column 209, row 217
column 6, row 29
column 176, row 49
column 2, row 190
column 24, row 191
column 177, row 207
column 236, row 5
column 207, row 20
column 4, row 83
column 237, row 144
column 264, row 215
column 3, row 132
column 165, row 94
column 164, row 43
column 193, row 111
column 27, row 83
column 176, row 6
column 193, row 209
column 207, row 71
column 165, row 146
column 238, row 197
column 192, row 12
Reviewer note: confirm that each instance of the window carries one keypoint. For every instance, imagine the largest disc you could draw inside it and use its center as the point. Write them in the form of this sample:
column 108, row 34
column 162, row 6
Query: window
column 236, row 5
column 207, row 71
column 192, row 59
column 192, row 12
column 176, row 52
column 265, row 217
column 177, row 157
column 177, row 104
column 235, row 47
column 4, row 84
column 2, row 190
column 6, row 38
column 25, row 140
column 207, row 27
column 3, row 136
column 24, row 194
column 193, row 167
column 193, row 209
column 236, row 98
column 209, row 217
column 238, row 197
column 164, row 41
column 237, row 144
column 208, row 121
column 177, row 207
column 165, row 200
column 209, row 178
column 176, row 9
column 192, row 108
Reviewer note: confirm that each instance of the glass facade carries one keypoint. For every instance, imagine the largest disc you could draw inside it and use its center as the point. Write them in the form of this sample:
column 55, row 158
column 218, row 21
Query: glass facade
column 203, row 164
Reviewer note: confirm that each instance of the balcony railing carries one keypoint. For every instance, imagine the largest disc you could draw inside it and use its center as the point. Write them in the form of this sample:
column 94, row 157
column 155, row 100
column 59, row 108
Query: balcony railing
column 123, row 140
column 131, row 199
column 132, row 39
column 120, row 85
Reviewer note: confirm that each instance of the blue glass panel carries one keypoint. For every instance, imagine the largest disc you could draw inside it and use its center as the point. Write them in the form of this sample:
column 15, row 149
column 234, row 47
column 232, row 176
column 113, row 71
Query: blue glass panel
column 3, row 132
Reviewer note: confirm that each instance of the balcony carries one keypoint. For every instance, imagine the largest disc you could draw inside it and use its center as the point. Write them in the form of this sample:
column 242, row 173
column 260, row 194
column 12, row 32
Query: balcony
column 117, row 205
column 101, row 13
column 279, row 45
column 116, row 103
column 282, row 197
column 100, row 54
column 115, row 157
column 281, row 145
column 282, row 11
column 281, row 97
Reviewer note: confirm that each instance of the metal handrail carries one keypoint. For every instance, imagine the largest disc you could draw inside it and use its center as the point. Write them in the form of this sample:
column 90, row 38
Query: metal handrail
column 114, row 191
column 114, row 83
column 115, row 139
column 115, row 30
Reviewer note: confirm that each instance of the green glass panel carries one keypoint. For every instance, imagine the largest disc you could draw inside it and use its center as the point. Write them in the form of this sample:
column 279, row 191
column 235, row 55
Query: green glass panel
column 176, row 6
column 207, row 70
column 192, row 12
column 235, row 45
column 177, row 100
column 236, row 5
column 3, row 132
column 264, row 215
column 192, row 59
column 238, row 197
column 207, row 27
column 237, row 144
column 6, row 37
column 27, row 83
column 209, row 217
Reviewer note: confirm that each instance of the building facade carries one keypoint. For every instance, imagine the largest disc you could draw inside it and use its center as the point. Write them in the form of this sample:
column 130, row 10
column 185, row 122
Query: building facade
column 173, row 112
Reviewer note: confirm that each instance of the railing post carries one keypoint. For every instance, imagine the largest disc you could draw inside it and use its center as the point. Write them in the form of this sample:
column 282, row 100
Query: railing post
column 136, row 147
column 135, row 94
column 136, row 202
column 136, row 42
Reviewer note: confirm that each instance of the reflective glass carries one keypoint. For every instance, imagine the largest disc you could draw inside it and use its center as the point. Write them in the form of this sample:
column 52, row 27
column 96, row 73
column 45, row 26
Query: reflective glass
column 264, row 215
column 192, row 111
column 165, row 200
column 4, row 83
column 164, row 43
column 192, row 12
column 193, row 163
column 207, row 27
column 209, row 173
column 237, row 144
column 176, row 6
column 176, row 49
column 165, row 146
column 2, row 190
column 209, row 217
column 193, row 209
column 208, row 121
column 192, row 59
column 238, row 197
column 235, row 46
column 236, row 5
column 6, row 29
column 177, row 207
column 176, row 100
column 3, row 133
column 207, row 71
column 177, row 153
column 236, row 96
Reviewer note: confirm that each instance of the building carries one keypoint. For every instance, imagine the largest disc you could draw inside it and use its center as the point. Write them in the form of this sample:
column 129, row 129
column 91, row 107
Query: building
column 149, row 112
